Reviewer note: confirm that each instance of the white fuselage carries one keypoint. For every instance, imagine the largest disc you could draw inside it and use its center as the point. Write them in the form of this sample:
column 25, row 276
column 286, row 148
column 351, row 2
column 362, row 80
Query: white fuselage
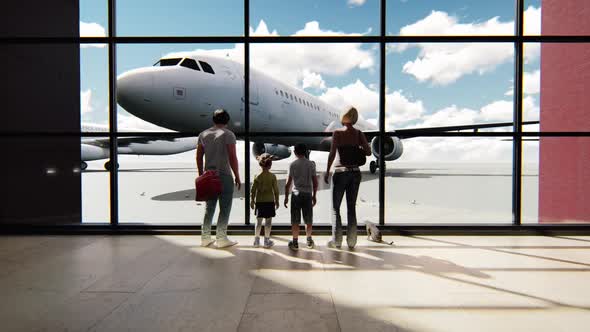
column 181, row 98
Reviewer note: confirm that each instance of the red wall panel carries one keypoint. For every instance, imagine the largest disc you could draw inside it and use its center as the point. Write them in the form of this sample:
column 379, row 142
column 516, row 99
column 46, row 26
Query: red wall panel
column 564, row 165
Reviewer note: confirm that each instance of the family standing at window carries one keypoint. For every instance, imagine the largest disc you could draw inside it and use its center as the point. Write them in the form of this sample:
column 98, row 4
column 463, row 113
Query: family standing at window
column 217, row 146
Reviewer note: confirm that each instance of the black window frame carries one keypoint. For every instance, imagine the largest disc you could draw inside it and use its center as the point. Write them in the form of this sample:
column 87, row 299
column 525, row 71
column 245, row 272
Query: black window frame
column 517, row 135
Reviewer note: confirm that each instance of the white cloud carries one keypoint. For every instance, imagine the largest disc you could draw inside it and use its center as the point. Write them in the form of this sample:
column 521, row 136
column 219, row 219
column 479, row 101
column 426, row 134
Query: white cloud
column 445, row 63
column 531, row 83
column 356, row 3
column 86, row 102
column 291, row 62
column 312, row 80
column 92, row 30
column 399, row 109
column 497, row 111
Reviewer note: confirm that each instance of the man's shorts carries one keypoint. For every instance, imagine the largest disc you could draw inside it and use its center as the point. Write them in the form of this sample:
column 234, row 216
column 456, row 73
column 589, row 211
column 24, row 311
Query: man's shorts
column 301, row 204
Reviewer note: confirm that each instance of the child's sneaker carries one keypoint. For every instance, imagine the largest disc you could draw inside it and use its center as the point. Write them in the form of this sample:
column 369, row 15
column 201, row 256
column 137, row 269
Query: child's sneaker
column 256, row 242
column 268, row 242
column 293, row 245
column 310, row 243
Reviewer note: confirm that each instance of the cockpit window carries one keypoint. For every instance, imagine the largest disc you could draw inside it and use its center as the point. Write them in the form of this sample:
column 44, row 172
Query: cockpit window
column 206, row 67
column 168, row 62
column 190, row 63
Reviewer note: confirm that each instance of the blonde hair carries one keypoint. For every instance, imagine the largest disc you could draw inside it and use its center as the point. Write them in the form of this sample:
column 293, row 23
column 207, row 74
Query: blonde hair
column 351, row 115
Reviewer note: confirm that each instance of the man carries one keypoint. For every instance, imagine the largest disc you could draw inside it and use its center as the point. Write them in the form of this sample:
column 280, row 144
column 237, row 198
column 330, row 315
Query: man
column 218, row 145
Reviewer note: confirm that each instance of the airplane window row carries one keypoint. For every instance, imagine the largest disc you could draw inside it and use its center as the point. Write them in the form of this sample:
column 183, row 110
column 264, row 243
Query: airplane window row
column 297, row 99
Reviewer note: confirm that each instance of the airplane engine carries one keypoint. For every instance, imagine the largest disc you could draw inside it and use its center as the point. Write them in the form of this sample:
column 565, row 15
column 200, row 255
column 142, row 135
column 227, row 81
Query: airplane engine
column 392, row 148
column 277, row 150
column 92, row 152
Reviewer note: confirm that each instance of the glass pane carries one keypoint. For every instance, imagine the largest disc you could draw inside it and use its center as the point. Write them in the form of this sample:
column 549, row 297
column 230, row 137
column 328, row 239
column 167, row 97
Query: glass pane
column 558, row 192
column 155, row 91
column 160, row 189
column 450, row 180
column 558, row 17
column 41, row 180
column 94, row 87
column 459, row 18
column 449, row 84
column 94, row 155
column 93, row 18
column 180, row 18
column 531, row 92
column 565, row 76
column 305, row 87
column 314, row 17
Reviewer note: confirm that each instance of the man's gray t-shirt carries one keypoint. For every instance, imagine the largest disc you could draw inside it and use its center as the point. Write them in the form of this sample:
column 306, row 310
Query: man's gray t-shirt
column 215, row 141
column 302, row 171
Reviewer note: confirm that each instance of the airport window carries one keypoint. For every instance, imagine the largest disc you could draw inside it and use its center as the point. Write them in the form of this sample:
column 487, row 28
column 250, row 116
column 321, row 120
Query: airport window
column 207, row 67
column 168, row 62
column 412, row 58
column 190, row 63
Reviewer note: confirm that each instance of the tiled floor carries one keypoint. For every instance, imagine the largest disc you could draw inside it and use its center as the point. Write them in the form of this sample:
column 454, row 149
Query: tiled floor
column 169, row 283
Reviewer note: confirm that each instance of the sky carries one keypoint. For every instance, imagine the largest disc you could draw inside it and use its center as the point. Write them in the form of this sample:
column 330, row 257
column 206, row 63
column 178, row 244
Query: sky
column 426, row 84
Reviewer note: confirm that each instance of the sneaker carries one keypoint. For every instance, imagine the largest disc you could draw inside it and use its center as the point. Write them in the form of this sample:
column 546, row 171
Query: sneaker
column 351, row 247
column 268, row 242
column 310, row 243
column 332, row 245
column 293, row 245
column 206, row 241
column 225, row 242
column 256, row 242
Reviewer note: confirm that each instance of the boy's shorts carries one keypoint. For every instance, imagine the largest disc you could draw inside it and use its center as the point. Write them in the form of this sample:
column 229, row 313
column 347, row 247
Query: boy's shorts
column 301, row 204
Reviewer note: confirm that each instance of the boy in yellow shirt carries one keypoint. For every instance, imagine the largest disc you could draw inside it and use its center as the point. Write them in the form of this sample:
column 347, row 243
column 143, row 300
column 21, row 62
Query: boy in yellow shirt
column 265, row 199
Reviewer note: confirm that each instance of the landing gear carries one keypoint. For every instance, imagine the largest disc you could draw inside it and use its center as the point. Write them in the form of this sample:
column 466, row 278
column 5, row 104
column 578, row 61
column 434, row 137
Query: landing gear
column 108, row 164
column 83, row 165
column 374, row 165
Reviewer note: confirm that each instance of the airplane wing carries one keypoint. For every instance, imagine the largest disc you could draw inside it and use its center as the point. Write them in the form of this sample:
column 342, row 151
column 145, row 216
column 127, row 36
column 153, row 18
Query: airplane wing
column 414, row 132
column 97, row 148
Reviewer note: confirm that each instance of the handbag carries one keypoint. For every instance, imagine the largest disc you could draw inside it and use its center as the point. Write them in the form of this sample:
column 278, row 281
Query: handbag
column 208, row 186
column 352, row 155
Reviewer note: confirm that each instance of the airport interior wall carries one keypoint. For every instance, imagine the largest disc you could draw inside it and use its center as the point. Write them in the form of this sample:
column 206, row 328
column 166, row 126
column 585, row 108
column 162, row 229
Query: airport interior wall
column 564, row 165
column 40, row 93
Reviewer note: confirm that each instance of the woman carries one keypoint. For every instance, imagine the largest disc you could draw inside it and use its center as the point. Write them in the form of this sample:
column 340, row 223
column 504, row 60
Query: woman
column 218, row 145
column 347, row 176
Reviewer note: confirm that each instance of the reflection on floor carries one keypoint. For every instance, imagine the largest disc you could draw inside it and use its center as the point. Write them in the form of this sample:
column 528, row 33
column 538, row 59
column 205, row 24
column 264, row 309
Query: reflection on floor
column 170, row 283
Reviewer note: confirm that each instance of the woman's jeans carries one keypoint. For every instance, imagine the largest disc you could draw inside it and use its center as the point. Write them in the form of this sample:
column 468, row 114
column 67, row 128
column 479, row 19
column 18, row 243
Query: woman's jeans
column 225, row 200
column 345, row 182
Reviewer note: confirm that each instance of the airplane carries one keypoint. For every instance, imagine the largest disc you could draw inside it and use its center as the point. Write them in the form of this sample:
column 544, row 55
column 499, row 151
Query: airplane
column 180, row 93
column 98, row 148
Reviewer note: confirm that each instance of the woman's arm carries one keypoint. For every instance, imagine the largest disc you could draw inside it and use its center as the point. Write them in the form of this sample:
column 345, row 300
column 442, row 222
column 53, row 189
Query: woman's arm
column 331, row 157
column 365, row 144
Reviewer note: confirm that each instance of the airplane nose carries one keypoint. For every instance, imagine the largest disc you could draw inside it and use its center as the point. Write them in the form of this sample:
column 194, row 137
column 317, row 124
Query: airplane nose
column 135, row 90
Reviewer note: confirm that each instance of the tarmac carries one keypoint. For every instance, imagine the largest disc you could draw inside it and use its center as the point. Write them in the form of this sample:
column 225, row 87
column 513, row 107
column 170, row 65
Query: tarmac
column 157, row 190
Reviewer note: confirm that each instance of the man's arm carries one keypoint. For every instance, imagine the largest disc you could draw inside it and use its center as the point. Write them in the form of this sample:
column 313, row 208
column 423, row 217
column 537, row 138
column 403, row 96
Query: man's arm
column 200, row 154
column 288, row 189
column 233, row 163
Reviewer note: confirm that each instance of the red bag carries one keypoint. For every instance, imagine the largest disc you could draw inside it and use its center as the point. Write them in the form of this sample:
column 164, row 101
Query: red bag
column 207, row 186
